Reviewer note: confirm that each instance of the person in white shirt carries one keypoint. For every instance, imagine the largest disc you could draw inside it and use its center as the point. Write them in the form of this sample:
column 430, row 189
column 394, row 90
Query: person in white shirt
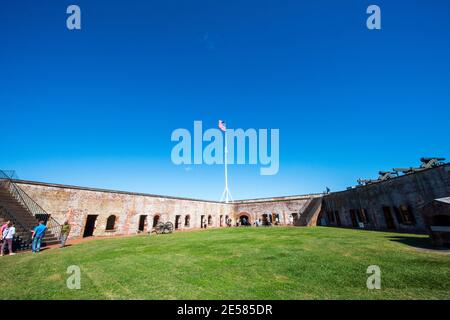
column 8, row 236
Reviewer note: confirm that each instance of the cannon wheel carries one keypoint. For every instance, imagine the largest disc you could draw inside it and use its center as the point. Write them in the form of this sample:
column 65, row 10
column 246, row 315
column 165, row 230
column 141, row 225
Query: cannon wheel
column 160, row 228
column 168, row 227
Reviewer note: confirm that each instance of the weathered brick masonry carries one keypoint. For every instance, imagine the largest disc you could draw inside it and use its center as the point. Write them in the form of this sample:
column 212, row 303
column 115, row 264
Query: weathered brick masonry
column 394, row 204
column 76, row 203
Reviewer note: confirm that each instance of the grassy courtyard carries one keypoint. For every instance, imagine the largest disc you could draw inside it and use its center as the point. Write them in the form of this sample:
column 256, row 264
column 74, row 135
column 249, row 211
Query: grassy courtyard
column 234, row 263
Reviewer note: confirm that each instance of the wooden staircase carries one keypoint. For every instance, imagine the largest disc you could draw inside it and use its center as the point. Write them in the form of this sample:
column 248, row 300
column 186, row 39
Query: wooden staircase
column 13, row 207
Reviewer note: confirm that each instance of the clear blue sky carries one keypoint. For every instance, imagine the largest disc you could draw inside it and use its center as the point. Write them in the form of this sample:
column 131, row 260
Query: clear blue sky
column 96, row 107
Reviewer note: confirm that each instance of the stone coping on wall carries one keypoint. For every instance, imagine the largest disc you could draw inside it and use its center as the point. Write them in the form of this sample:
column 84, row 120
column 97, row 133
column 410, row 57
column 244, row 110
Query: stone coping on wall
column 283, row 199
column 64, row 186
column 377, row 183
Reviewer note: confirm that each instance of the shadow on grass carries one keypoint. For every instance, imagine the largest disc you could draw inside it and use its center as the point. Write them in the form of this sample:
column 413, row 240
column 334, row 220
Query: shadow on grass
column 421, row 243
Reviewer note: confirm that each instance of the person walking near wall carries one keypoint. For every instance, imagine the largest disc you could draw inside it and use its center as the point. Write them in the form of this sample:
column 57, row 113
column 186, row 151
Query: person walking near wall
column 38, row 234
column 65, row 230
column 8, row 236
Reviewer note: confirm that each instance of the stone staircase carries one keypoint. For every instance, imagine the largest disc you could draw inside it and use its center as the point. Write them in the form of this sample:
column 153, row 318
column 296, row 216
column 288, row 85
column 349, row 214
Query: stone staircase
column 14, row 208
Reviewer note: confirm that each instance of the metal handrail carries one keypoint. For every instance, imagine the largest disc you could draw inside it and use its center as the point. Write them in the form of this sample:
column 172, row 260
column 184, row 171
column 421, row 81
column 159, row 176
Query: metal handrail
column 52, row 225
column 34, row 208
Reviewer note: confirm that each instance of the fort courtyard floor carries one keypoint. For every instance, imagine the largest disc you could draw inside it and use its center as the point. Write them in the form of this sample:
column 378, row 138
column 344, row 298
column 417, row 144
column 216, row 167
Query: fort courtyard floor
column 234, row 263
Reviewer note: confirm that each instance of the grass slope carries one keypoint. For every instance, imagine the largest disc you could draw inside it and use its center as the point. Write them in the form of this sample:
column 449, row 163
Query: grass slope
column 234, row 263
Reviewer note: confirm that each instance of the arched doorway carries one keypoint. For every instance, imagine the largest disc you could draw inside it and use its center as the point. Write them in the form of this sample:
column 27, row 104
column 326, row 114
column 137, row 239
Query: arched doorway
column 177, row 222
column 210, row 222
column 202, row 221
column 142, row 223
column 293, row 218
column 90, row 225
column 155, row 220
column 221, row 221
column 187, row 221
column 244, row 219
column 227, row 221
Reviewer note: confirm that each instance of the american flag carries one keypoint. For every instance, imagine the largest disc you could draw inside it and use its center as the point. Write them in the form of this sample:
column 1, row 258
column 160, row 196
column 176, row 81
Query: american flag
column 222, row 126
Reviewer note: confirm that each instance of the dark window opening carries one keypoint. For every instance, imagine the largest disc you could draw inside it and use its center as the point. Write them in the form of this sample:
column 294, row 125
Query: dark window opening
column 390, row 224
column 407, row 215
column 110, row 223
column 209, row 220
column 404, row 215
column 187, row 221
column 363, row 216
column 142, row 220
column 354, row 218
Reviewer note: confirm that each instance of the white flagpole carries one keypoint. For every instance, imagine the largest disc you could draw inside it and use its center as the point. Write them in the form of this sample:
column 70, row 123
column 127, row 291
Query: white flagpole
column 226, row 196
column 226, row 170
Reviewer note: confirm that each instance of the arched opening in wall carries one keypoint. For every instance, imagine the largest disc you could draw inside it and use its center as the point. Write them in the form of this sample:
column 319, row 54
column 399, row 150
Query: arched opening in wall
column 404, row 215
column 155, row 220
column 294, row 218
column 244, row 219
column 202, row 221
column 210, row 220
column 142, row 221
column 177, row 221
column 390, row 224
column 221, row 220
column 353, row 218
column 187, row 221
column 265, row 219
column 110, row 223
column 227, row 221
column 276, row 218
column 89, row 226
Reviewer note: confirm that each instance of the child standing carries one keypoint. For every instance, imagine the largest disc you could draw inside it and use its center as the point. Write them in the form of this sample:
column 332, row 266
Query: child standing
column 8, row 236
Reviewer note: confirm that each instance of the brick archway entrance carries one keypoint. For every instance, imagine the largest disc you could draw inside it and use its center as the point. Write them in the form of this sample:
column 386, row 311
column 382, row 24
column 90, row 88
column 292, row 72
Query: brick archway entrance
column 245, row 218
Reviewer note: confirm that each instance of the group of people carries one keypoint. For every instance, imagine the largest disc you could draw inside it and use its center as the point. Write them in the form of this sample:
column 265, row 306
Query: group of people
column 8, row 231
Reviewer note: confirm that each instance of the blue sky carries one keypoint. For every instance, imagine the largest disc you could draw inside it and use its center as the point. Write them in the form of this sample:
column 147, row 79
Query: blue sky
column 97, row 106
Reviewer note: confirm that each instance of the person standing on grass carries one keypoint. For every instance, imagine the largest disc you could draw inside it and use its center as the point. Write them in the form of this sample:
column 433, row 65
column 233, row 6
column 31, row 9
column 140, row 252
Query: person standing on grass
column 3, row 227
column 38, row 234
column 65, row 230
column 8, row 236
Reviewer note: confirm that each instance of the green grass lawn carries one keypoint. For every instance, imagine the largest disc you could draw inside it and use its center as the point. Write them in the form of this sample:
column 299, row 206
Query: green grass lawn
column 234, row 263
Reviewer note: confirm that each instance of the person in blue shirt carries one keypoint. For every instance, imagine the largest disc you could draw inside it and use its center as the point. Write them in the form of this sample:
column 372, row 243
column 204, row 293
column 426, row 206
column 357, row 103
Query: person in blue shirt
column 38, row 234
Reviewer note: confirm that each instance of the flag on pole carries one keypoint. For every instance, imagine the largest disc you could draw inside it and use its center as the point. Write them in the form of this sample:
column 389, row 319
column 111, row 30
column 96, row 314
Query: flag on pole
column 222, row 126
